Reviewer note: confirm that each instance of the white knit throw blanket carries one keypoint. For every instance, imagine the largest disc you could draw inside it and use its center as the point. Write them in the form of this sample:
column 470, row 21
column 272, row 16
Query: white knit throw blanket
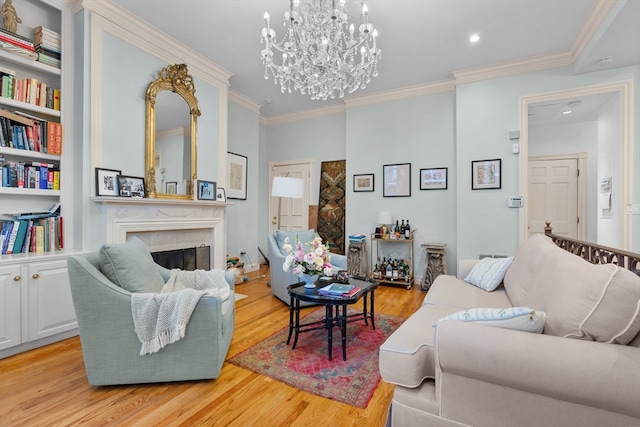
column 161, row 319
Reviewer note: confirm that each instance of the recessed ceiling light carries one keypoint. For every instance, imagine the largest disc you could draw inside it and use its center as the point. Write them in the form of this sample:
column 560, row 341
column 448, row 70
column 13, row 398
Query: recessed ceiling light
column 268, row 101
column 567, row 112
column 474, row 38
column 604, row 61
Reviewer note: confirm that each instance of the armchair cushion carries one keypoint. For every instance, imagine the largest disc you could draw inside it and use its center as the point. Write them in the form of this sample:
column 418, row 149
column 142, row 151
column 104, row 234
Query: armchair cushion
column 304, row 236
column 130, row 266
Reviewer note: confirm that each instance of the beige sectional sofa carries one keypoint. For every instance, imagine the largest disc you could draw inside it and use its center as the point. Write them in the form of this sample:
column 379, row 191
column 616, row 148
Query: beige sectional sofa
column 583, row 370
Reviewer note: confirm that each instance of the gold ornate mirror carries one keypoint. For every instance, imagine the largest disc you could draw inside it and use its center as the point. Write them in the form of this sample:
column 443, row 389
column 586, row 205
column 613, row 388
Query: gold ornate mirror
column 171, row 134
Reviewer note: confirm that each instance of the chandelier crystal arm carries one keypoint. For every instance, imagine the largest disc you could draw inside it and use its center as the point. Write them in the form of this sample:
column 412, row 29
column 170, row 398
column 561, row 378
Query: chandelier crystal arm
column 320, row 53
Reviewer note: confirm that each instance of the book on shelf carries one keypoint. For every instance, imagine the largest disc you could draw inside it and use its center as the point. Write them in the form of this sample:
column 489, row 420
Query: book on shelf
column 339, row 289
column 356, row 237
column 38, row 235
column 16, row 39
column 17, row 50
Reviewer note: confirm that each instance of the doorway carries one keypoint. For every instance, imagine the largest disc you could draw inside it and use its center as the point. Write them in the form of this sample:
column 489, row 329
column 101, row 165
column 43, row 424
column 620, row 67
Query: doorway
column 294, row 213
column 623, row 163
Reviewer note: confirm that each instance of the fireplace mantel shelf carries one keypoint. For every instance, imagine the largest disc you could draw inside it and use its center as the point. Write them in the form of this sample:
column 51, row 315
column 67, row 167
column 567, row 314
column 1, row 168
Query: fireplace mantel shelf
column 148, row 201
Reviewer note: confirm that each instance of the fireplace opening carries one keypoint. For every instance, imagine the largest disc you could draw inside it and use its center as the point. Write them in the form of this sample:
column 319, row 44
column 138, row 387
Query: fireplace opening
column 197, row 258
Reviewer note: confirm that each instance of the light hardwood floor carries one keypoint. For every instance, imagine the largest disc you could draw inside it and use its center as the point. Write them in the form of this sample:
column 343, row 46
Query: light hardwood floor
column 48, row 386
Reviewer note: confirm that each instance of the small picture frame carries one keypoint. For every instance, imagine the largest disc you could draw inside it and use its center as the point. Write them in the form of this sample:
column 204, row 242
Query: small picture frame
column 131, row 186
column 486, row 174
column 172, row 187
column 363, row 182
column 206, row 190
column 221, row 196
column 107, row 182
column 433, row 179
column 396, row 180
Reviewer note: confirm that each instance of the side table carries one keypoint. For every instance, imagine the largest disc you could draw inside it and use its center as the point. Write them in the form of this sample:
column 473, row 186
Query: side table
column 435, row 265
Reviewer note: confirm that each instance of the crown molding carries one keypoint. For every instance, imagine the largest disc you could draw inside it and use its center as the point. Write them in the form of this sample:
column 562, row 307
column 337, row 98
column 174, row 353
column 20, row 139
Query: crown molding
column 304, row 115
column 155, row 42
column 244, row 101
column 511, row 68
column 591, row 25
column 401, row 93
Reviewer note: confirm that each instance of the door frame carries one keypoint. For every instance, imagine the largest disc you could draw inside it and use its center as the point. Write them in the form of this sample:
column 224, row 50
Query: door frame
column 625, row 92
column 273, row 201
column 581, row 159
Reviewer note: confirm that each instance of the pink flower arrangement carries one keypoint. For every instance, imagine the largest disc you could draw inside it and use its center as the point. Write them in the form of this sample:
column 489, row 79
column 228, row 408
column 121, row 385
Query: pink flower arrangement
column 312, row 260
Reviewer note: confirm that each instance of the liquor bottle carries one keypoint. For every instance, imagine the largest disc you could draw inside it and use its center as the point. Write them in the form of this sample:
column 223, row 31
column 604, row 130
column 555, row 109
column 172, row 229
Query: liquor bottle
column 407, row 230
column 395, row 274
column 402, row 228
column 389, row 272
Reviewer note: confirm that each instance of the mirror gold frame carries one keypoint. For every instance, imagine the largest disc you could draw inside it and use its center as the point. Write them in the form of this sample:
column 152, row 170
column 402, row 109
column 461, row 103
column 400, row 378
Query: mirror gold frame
column 173, row 78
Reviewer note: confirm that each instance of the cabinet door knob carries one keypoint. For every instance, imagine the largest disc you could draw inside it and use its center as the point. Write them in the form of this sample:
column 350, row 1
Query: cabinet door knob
column 35, row 275
column 17, row 278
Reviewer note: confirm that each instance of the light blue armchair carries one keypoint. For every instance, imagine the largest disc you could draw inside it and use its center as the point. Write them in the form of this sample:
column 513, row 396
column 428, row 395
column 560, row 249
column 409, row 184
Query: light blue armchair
column 281, row 279
column 110, row 345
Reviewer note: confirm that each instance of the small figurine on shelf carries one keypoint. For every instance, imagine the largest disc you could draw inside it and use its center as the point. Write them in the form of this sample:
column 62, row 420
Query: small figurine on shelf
column 10, row 17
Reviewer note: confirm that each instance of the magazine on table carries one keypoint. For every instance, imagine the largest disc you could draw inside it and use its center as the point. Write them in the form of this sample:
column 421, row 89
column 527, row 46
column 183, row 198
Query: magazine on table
column 338, row 290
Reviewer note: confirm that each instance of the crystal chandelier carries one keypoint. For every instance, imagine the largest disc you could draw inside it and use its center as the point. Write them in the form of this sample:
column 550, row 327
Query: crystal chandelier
column 320, row 51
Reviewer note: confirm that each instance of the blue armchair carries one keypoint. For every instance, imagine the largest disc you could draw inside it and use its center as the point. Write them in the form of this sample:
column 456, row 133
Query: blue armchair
column 109, row 343
column 281, row 279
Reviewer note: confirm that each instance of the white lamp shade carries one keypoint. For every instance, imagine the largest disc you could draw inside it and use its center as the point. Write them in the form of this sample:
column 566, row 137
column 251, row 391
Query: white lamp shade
column 284, row 186
column 384, row 217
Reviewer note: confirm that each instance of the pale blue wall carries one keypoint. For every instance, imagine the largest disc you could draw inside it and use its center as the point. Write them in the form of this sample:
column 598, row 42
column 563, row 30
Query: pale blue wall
column 243, row 216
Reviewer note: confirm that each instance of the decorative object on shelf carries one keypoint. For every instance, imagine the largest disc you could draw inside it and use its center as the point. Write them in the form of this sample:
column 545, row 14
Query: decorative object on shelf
column 310, row 261
column 332, row 204
column 396, row 180
column 173, row 79
column 286, row 186
column 433, row 179
column 320, row 51
column 221, row 196
column 486, row 174
column 107, row 182
column 384, row 219
column 206, row 190
column 131, row 186
column 363, row 182
column 10, row 16
column 237, row 176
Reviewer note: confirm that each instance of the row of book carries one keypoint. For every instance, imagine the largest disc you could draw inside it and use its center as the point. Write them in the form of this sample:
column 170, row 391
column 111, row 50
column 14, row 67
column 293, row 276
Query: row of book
column 45, row 46
column 33, row 235
column 28, row 90
column 19, row 233
column 26, row 132
column 35, row 175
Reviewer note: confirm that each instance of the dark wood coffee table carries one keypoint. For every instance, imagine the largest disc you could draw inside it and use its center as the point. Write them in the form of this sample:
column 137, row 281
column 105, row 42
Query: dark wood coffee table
column 336, row 310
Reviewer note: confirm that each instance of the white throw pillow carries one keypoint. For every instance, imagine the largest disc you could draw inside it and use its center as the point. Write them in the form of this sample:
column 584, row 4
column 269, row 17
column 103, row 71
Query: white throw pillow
column 488, row 273
column 519, row 318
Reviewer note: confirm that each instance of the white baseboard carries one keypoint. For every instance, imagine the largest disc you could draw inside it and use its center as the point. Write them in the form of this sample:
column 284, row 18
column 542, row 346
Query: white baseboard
column 248, row 268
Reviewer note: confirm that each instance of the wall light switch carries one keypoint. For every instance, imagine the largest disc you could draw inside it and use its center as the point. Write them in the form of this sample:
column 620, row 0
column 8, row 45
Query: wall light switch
column 515, row 148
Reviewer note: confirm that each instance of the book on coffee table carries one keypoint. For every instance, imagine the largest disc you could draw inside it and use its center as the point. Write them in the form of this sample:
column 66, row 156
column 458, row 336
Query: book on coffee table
column 339, row 290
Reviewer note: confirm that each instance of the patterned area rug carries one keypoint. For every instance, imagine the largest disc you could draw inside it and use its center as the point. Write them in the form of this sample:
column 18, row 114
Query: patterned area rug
column 308, row 368
column 331, row 204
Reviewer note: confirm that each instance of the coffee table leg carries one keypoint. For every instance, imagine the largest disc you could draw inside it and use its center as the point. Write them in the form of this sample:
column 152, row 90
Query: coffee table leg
column 373, row 325
column 343, row 331
column 290, row 320
column 297, row 323
column 364, row 310
column 329, row 325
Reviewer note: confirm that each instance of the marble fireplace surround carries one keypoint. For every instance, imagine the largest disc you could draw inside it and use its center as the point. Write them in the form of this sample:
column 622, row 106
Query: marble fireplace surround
column 165, row 224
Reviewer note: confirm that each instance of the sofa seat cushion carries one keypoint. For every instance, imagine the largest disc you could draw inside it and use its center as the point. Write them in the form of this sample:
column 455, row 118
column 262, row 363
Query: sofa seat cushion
column 407, row 357
column 597, row 302
column 453, row 292
column 130, row 266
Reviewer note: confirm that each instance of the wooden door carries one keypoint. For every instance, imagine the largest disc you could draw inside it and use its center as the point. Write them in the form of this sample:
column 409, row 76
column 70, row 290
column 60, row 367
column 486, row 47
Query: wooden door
column 294, row 213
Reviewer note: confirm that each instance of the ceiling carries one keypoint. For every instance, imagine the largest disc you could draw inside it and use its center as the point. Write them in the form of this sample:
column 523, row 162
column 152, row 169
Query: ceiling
column 422, row 41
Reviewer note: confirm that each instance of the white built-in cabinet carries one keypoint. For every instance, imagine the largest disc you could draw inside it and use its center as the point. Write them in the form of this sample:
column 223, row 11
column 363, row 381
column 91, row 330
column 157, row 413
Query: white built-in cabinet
column 36, row 307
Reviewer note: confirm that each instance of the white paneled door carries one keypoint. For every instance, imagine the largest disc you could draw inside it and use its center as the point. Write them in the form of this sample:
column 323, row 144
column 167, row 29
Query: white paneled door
column 294, row 213
column 553, row 196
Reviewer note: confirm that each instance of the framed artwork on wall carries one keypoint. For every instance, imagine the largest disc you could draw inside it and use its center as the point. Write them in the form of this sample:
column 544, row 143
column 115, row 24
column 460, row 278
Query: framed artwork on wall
column 206, row 190
column 237, row 176
column 486, row 174
column 396, row 180
column 172, row 187
column 363, row 182
column 107, row 182
column 433, row 179
column 131, row 186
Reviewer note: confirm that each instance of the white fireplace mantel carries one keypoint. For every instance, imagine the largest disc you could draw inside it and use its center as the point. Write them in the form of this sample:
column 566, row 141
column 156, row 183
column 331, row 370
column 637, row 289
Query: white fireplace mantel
column 166, row 223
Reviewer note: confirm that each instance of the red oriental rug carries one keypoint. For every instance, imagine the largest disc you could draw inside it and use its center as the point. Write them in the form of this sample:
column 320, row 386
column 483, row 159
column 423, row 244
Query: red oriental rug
column 308, row 368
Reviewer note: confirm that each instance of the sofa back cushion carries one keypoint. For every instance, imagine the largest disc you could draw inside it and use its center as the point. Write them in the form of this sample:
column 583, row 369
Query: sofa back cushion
column 582, row 300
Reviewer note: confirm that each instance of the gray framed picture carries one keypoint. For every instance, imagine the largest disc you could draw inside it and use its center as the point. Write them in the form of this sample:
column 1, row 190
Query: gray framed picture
column 486, row 174
column 363, row 182
column 396, row 180
column 433, row 179
column 237, row 176
column 107, row 182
